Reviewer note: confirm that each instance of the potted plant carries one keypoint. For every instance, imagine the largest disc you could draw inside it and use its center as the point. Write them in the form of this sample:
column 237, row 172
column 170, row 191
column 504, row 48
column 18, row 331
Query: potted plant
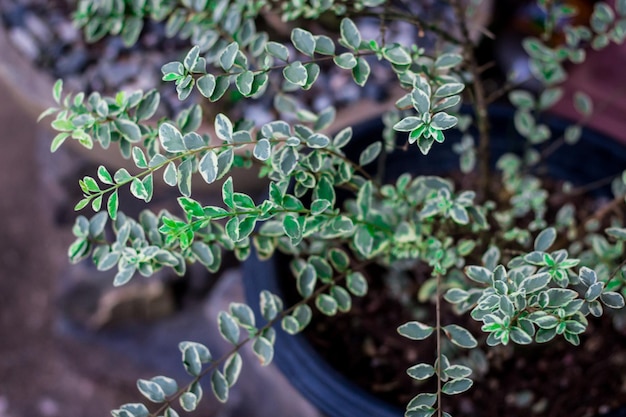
column 503, row 248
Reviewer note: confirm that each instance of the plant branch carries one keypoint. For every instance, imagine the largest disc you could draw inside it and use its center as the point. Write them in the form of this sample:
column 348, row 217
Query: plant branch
column 168, row 402
column 438, row 336
column 480, row 103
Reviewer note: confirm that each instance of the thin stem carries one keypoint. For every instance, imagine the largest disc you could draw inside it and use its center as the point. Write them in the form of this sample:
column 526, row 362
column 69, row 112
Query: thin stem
column 480, row 103
column 398, row 14
column 438, row 318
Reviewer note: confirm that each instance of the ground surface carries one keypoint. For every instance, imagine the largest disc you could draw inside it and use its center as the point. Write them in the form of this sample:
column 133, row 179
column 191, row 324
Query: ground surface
column 42, row 374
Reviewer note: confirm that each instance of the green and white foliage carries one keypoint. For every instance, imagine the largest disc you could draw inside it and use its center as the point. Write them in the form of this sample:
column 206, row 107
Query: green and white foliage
column 499, row 258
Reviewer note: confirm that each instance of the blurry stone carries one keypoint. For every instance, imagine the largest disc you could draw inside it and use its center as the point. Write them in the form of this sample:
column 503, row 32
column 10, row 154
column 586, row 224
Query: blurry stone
column 73, row 62
column 116, row 73
column 24, row 42
column 48, row 407
column 114, row 46
column 258, row 112
column 90, row 301
column 14, row 16
column 37, row 27
column 67, row 32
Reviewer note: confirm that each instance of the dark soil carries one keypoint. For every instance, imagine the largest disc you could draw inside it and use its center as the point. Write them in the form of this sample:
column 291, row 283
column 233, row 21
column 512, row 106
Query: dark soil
column 553, row 380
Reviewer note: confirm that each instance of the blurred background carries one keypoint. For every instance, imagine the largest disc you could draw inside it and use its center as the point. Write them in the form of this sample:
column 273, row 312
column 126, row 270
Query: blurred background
column 69, row 346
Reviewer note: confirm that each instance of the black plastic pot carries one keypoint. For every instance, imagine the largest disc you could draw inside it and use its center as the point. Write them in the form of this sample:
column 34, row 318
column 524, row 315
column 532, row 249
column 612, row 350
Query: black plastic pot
column 593, row 158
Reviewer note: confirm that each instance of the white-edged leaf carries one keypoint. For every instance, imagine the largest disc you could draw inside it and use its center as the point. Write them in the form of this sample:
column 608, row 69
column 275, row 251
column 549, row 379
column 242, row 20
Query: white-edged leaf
column 415, row 330
column 457, row 386
column 208, row 167
column 370, row 153
column 460, row 336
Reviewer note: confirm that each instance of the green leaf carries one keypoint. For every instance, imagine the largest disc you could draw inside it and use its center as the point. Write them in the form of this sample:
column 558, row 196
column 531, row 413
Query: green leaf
column 350, row 34
column 342, row 297
column 128, row 129
column 203, row 253
column 58, row 141
column 138, row 190
column 364, row 241
column 545, row 239
column 206, row 85
column 408, row 124
column 449, row 89
column 396, row 54
column 57, row 89
column 168, row 385
column 191, row 58
column 208, row 167
column 616, row 232
column 290, row 325
column 149, row 105
column 113, row 205
column 326, row 304
column 415, row 330
column 243, row 314
column 232, row 368
column 558, row 297
column 535, row 282
column 135, row 410
column 139, row 157
column 522, row 99
column 420, row 100
column 151, row 390
column 219, row 386
column 583, row 103
column 277, row 50
column 264, row 350
column 324, row 45
column 303, row 41
column 189, row 401
column 457, row 371
column 269, row 305
column 612, row 299
column 228, row 327
column 519, row 336
column 357, row 284
column 191, row 359
column 460, row 336
column 305, row 281
column 317, row 140
column 262, row 149
column 296, row 73
column 228, row 55
column 479, row 274
column 223, row 128
column 244, row 82
column 104, row 175
column 457, row 386
column 424, row 399
column 361, row 71
column 346, row 60
column 421, row 371
column 171, row 139
column 572, row 134
column 448, row 60
column 370, row 153
column 443, row 121
column 292, row 227
column 288, row 160
column 193, row 141
column 170, row 174
column 594, row 291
